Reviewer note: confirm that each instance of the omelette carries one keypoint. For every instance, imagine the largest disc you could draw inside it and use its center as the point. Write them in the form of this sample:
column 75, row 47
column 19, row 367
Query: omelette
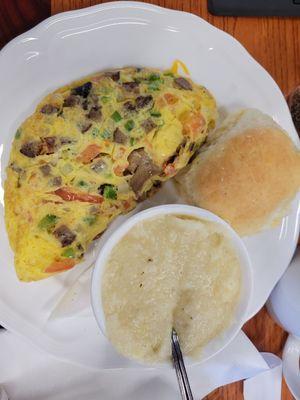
column 91, row 151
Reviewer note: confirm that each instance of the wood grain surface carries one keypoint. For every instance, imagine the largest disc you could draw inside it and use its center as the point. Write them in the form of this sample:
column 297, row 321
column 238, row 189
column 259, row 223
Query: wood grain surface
column 273, row 41
column 17, row 16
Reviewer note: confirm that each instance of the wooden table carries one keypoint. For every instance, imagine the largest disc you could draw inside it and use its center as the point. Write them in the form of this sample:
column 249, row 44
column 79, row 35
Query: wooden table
column 274, row 42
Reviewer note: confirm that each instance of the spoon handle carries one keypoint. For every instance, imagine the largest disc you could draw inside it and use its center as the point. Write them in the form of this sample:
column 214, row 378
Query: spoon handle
column 179, row 366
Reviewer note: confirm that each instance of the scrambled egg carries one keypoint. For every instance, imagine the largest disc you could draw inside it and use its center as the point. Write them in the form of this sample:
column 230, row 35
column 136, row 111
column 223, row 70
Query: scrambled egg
column 90, row 152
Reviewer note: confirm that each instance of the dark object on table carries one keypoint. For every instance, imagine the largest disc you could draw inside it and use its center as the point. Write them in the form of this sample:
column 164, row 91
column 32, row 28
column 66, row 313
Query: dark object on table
column 294, row 105
column 1, row 327
column 287, row 8
column 17, row 16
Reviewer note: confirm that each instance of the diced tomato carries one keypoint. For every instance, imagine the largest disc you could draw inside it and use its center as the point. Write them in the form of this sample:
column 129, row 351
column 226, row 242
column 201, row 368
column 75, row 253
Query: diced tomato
column 170, row 98
column 62, row 265
column 193, row 124
column 89, row 153
column 119, row 169
column 169, row 169
column 107, row 143
column 66, row 194
column 126, row 204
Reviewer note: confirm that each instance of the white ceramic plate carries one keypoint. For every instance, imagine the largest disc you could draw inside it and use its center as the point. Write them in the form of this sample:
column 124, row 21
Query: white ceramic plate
column 291, row 365
column 55, row 314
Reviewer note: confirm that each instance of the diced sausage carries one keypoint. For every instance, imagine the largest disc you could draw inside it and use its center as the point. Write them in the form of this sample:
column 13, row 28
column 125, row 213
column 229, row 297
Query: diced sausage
column 50, row 144
column 135, row 158
column 82, row 90
column 143, row 101
column 71, row 101
column 94, row 99
column 95, row 113
column 56, row 181
column 85, row 104
column 85, row 126
column 49, row 109
column 32, row 149
column 45, row 169
column 119, row 136
column 131, row 86
column 91, row 101
column 35, row 148
column 114, row 75
column 183, row 83
column 142, row 167
column 129, row 106
column 148, row 125
column 144, row 171
column 64, row 235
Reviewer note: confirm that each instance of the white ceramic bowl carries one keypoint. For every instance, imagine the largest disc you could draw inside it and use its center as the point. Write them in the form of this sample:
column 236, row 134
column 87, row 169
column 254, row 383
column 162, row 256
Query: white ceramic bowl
column 218, row 343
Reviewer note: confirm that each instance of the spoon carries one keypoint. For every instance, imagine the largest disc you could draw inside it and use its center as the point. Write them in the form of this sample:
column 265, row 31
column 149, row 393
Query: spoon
column 182, row 378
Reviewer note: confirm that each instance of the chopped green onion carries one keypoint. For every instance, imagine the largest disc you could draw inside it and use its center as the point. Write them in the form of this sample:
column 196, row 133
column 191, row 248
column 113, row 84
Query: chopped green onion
column 105, row 134
column 160, row 123
column 154, row 85
column 48, row 222
column 82, row 183
column 154, row 77
column 116, row 116
column 110, row 192
column 169, row 74
column 129, row 125
column 155, row 113
column 105, row 99
column 18, row 134
column 68, row 253
column 132, row 141
column 95, row 132
column 90, row 219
